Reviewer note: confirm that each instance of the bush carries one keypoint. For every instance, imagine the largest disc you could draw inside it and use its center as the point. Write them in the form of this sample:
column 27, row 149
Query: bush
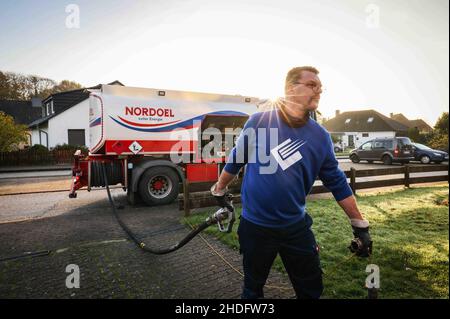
column 67, row 147
column 38, row 148
column 439, row 142
column 11, row 134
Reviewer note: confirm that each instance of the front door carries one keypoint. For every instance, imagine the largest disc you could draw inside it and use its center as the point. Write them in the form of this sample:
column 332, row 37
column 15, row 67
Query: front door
column 76, row 137
column 351, row 141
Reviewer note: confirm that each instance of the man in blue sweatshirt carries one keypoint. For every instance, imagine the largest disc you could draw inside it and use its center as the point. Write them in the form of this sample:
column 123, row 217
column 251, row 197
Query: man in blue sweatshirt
column 284, row 150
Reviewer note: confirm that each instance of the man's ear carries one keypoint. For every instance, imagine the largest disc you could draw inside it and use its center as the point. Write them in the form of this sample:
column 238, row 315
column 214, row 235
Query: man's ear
column 289, row 89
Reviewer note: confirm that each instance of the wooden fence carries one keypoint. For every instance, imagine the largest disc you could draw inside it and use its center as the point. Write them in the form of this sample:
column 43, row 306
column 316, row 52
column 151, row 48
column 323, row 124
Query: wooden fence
column 36, row 157
column 196, row 195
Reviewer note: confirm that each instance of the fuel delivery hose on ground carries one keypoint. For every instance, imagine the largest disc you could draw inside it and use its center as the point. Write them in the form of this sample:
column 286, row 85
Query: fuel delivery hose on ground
column 218, row 217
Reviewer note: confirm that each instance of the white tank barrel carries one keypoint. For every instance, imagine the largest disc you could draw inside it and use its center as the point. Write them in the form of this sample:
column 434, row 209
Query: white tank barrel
column 128, row 120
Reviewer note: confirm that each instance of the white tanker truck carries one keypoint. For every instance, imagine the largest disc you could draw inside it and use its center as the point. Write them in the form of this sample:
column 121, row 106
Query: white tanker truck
column 151, row 140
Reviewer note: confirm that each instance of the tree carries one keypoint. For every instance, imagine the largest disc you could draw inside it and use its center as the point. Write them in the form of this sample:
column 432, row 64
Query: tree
column 417, row 137
column 438, row 139
column 442, row 124
column 14, row 86
column 4, row 86
column 414, row 134
column 439, row 142
column 36, row 86
column 66, row 85
column 63, row 86
column 335, row 138
column 11, row 134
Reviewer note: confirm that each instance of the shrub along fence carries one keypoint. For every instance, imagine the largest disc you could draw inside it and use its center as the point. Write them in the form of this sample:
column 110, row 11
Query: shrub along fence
column 196, row 195
column 36, row 157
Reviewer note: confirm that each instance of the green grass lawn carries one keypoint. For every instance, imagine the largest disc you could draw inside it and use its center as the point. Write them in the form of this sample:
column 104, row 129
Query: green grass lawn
column 343, row 153
column 410, row 233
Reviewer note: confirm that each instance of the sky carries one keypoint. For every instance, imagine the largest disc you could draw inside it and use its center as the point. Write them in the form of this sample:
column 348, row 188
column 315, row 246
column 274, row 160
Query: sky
column 387, row 55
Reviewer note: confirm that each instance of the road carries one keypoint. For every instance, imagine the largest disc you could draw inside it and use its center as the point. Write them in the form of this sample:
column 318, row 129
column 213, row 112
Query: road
column 26, row 182
column 344, row 164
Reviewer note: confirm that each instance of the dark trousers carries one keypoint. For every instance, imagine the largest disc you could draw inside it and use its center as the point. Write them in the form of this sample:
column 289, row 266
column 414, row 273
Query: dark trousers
column 297, row 248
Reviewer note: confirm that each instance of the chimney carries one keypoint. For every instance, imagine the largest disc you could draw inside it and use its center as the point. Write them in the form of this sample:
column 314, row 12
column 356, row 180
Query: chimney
column 36, row 102
column 338, row 112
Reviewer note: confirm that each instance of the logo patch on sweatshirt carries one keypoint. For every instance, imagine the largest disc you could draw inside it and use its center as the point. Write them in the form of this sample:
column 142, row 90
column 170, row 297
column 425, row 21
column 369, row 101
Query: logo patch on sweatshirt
column 287, row 153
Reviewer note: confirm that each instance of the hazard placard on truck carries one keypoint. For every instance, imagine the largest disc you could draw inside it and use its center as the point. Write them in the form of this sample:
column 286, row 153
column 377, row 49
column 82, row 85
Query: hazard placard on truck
column 137, row 132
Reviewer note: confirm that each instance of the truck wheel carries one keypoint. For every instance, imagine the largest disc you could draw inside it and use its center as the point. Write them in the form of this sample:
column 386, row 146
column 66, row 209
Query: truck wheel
column 387, row 160
column 159, row 186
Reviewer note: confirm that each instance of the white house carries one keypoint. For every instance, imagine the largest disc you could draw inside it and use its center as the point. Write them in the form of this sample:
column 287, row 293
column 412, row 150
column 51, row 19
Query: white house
column 357, row 127
column 64, row 120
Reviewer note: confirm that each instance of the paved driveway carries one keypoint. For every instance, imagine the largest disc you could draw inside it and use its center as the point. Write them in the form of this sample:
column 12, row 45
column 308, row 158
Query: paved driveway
column 83, row 232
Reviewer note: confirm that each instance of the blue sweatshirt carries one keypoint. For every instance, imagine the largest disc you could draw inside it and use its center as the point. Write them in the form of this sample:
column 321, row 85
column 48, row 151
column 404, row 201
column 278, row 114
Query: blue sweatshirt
column 282, row 163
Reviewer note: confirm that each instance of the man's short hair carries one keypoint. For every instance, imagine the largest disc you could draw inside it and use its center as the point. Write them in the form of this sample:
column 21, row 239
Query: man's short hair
column 295, row 74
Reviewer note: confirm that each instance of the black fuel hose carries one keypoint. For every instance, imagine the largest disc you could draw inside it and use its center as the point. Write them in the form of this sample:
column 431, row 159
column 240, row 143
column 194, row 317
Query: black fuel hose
column 139, row 242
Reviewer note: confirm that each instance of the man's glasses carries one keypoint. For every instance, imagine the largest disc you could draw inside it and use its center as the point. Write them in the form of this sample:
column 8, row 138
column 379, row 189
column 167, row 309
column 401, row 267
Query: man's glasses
column 313, row 86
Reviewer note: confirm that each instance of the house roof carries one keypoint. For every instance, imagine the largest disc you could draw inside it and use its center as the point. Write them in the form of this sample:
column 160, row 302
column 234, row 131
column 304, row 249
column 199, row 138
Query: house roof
column 401, row 118
column 419, row 123
column 40, row 121
column 65, row 100
column 61, row 102
column 22, row 111
column 358, row 121
column 99, row 86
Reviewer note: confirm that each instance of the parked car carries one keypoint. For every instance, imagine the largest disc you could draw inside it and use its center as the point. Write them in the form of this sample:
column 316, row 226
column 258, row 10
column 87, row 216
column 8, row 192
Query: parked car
column 338, row 148
column 426, row 155
column 387, row 150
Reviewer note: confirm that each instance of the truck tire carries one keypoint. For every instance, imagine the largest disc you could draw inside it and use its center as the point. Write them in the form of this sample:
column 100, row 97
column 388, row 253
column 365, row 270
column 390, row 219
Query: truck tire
column 159, row 186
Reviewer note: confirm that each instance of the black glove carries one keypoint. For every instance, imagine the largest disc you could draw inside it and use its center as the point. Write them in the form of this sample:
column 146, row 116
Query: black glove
column 223, row 198
column 361, row 245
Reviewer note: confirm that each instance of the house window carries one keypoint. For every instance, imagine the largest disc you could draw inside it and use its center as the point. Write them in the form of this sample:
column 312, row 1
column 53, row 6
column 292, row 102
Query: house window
column 347, row 121
column 51, row 106
column 370, row 120
column 365, row 134
column 47, row 106
column 76, row 137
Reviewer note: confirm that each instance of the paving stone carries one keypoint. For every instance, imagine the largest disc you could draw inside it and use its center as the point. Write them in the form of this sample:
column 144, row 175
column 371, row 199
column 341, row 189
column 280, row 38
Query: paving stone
column 111, row 266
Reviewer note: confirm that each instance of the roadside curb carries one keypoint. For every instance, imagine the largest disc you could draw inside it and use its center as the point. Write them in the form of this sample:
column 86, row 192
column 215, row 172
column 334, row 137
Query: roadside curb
column 34, row 169
column 68, row 175
column 56, row 191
